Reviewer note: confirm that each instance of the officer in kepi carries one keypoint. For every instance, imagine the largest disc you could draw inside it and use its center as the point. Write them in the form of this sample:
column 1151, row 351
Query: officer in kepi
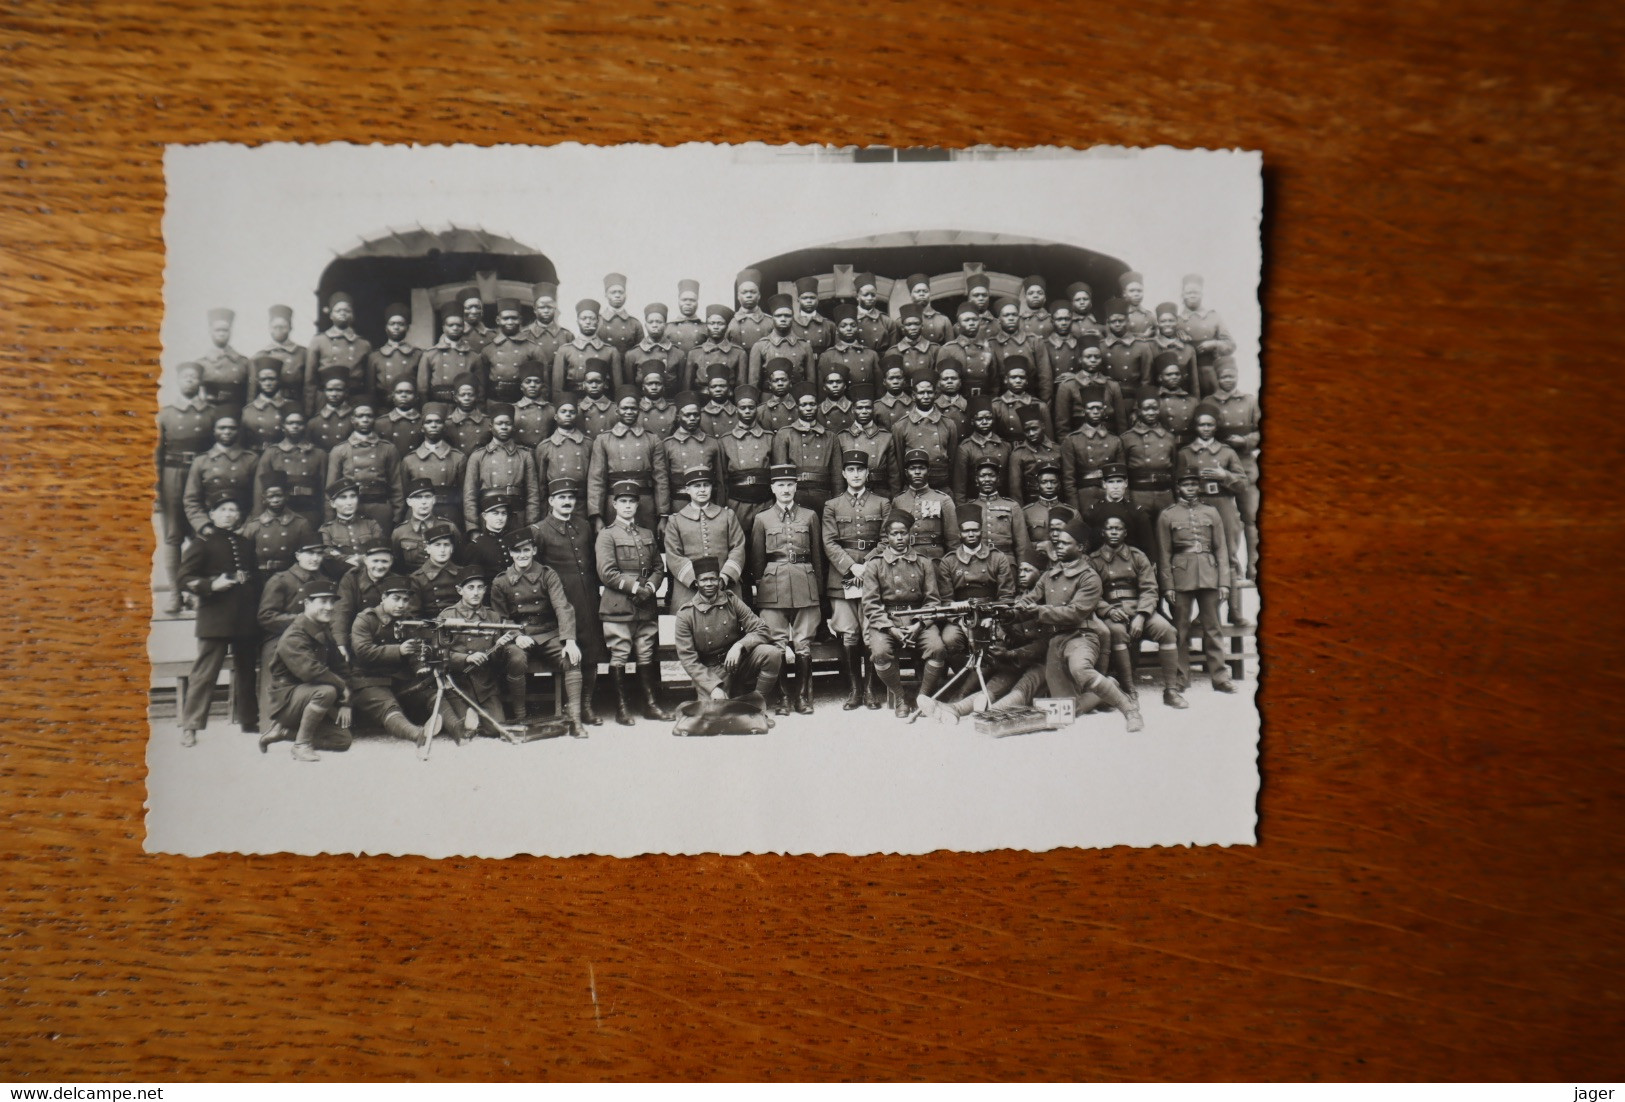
column 309, row 695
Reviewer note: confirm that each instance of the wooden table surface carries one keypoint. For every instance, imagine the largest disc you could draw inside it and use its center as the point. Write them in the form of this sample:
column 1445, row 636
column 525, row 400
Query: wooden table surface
column 1438, row 889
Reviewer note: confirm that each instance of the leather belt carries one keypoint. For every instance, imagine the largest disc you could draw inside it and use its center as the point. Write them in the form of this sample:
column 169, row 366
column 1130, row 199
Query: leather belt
column 1200, row 547
column 1157, row 480
column 979, row 591
column 788, row 556
column 1122, row 593
column 180, row 462
column 857, row 544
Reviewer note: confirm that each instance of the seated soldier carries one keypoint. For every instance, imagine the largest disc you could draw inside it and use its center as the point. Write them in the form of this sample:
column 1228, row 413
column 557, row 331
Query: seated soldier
column 895, row 580
column 1129, row 608
column 308, row 694
column 531, row 594
column 975, row 570
column 473, row 657
column 386, row 662
column 724, row 647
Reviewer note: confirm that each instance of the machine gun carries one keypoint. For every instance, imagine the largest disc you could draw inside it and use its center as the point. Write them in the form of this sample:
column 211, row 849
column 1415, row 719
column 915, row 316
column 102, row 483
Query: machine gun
column 435, row 661
column 988, row 623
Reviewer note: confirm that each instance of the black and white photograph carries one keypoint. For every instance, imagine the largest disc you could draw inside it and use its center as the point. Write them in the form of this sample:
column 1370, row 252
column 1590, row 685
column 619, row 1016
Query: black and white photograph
column 705, row 499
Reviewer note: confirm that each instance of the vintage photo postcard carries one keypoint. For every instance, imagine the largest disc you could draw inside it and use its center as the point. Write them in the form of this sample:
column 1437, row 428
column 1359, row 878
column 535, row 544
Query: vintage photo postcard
column 706, row 499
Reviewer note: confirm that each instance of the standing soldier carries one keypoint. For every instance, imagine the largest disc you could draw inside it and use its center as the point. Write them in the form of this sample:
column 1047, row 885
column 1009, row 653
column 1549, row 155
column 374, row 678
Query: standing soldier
column 475, row 330
column 289, row 355
column 308, row 696
column 262, row 417
column 924, row 429
column 501, row 364
column 1128, row 606
column 1033, row 451
column 721, row 644
column 702, row 528
column 571, row 362
column 786, row 545
column 658, row 414
column 218, row 570
column 435, row 579
column 450, row 359
column 1169, row 340
column 750, row 324
column 529, row 593
column 1142, row 323
column 1239, row 427
column 224, row 467
column 1204, row 329
column 1089, row 372
column 982, row 443
column 1085, row 453
column 564, row 542
column 280, row 604
column 402, row 426
column 1128, row 358
column 629, row 564
column 1003, row 526
column 437, row 462
column 411, row 536
column 979, row 296
column 502, row 465
column 1139, row 521
column 1192, row 568
column 468, row 426
column 302, row 466
column 897, row 579
column 835, row 407
column 1178, row 406
column 628, row 455
column 226, row 371
column 375, row 467
column 810, row 325
column 895, row 398
column 1081, row 296
column 778, row 405
column 851, row 523
column 398, row 359
column 1036, row 321
column 597, row 412
column 338, row 349
column 876, row 329
column 1223, row 479
column 782, row 343
column 690, row 446
column 935, row 527
column 1008, row 406
column 975, row 571
column 747, row 453
column 532, row 414
column 488, row 544
column 546, row 333
column 615, row 326
column 331, row 425
column 184, row 430
column 955, row 406
column 911, row 342
column 969, row 349
column 687, row 330
column 1149, row 450
column 845, row 350
column 810, row 447
column 277, row 531
column 1037, row 510
column 885, row 475
column 349, row 533
column 718, row 347
column 656, row 348
column 937, row 327
column 1011, row 341
column 718, row 415
column 565, row 453
column 1060, row 345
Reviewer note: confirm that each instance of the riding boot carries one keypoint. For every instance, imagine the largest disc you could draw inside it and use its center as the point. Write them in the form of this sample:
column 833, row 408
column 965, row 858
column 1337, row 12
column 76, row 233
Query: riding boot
column 873, row 698
column 1171, row 695
column 589, row 682
column 650, row 676
column 172, row 570
column 275, row 732
column 852, row 667
column 1123, row 667
column 398, row 725
column 894, row 688
column 781, row 705
column 1237, row 618
column 804, row 686
column 930, row 677
column 304, row 743
column 518, row 710
column 1129, row 706
column 623, row 707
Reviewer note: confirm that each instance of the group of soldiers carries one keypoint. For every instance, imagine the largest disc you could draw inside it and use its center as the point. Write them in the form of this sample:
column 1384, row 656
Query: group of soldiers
column 769, row 471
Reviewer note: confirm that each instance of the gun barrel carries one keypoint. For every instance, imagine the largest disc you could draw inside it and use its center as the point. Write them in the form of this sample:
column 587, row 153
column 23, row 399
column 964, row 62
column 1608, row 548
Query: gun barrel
column 477, row 625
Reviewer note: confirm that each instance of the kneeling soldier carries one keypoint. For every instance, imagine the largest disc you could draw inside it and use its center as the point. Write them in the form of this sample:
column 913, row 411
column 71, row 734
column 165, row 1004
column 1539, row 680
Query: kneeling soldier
column 1129, row 607
column 630, row 567
column 898, row 579
column 385, row 662
column 531, row 594
column 724, row 646
column 308, row 695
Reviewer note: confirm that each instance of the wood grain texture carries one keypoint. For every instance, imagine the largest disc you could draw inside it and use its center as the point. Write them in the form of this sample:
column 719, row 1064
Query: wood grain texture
column 1438, row 891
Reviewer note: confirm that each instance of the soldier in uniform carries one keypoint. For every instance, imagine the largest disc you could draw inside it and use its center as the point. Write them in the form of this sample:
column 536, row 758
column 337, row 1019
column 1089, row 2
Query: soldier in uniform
column 262, row 417
column 384, row 663
column 717, row 348
column 750, row 324
column 1149, row 450
column 1128, row 606
column 1169, row 340
column 689, row 446
column 923, row 428
column 1002, row 526
column 276, row 532
column 1060, row 345
column 338, row 349
column 184, row 429
column 437, row 462
column 475, row 331
column 778, row 405
column 1011, row 341
column 452, row 358
column 1223, row 479
column 308, row 696
column 975, row 571
column 875, row 327
column 702, row 528
column 845, row 350
column 1081, row 296
column 289, row 355
column 348, row 533
column 628, row 454
column 1031, row 452
column 719, row 414
column 331, row 425
column 1239, row 427
column 226, row 371
column 1205, row 330
column 572, row 360
column 468, row 426
column 565, row 453
column 502, row 363
column 360, row 589
column 810, row 325
column 721, row 644
column 1008, row 406
column 546, row 333
column 374, row 465
column 1193, row 569
column 226, row 466
column 937, row 327
column 597, row 411
column 747, row 453
column 899, row 578
column 564, row 543
column 835, row 407
column 531, row 594
column 1069, row 415
column 982, row 443
column 687, row 330
column 657, row 349
column 810, row 447
column 280, row 604
column 402, row 426
column 935, row 518
column 488, row 544
column 911, row 343
column 411, row 536
column 1115, row 502
column 895, row 398
column 617, row 327
column 864, row 435
column 1085, row 453
column 786, row 546
column 851, row 524
column 1037, row 510
column 630, row 566
column 532, row 414
column 398, row 359
column 1036, row 321
column 954, row 405
column 436, row 578
column 1178, row 407
column 658, row 413
column 1141, row 322
column 504, row 466
column 782, row 343
column 472, row 657
column 1127, row 356
column 217, row 568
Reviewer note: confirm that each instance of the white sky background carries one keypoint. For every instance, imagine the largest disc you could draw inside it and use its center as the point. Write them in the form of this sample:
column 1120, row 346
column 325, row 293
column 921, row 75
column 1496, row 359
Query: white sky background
column 249, row 227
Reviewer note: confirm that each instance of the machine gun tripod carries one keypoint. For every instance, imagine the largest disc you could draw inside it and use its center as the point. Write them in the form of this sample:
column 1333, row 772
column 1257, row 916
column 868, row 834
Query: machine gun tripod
column 985, row 622
column 435, row 661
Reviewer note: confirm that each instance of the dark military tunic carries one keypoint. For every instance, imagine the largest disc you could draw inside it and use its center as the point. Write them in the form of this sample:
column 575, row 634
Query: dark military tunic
column 275, row 537
column 981, row 574
column 410, row 542
column 548, row 339
column 358, row 591
column 1127, row 578
column 619, row 328
column 659, row 416
column 978, row 370
column 694, row 533
column 346, row 540
column 226, row 377
column 536, row 599
column 1141, row 322
column 219, row 468
column 570, row 363
column 717, row 419
column 935, row 326
column 936, row 521
column 1083, row 454
column 707, row 630
column 670, row 359
column 228, row 613
column 532, row 421
column 876, row 329
column 469, row 430
column 330, row 427
column 934, row 434
column 262, row 421
column 340, row 348
column 442, row 465
column 508, row 469
column 972, row 450
column 1037, row 323
column 834, row 415
column 1040, row 374
column 897, row 580
column 436, row 587
column 292, row 358
column 627, row 557
column 861, row 362
column 501, row 364
column 786, row 558
column 1191, row 549
column 710, row 353
column 1149, row 453
column 440, row 365
column 184, row 431
column 811, row 447
column 1138, row 519
column 916, row 353
column 885, row 462
column 375, row 465
column 746, row 456
column 816, row 330
column 394, row 362
column 956, row 411
column 489, row 551
column 748, row 327
column 566, row 547
column 1007, row 415
column 1178, row 413
column 685, row 334
column 890, row 407
column 597, row 416
column 628, row 453
column 402, row 428
column 852, row 530
column 775, row 413
column 1128, row 361
column 1069, row 403
column 776, row 347
column 683, row 452
column 1003, row 526
column 306, row 654
column 564, row 454
column 1025, row 460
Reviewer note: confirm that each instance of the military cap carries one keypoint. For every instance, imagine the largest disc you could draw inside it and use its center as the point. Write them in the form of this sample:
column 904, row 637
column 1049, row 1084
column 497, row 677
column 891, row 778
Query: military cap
column 221, row 496
column 1189, row 474
column 500, row 409
column 688, row 286
column 656, row 308
column 1205, row 409
column 916, row 455
column 190, row 365
column 748, row 275
column 990, row 461
column 836, row 369
column 1035, row 281
column 1163, row 359
column 314, row 543
column 1115, row 306
column 626, row 487
column 921, row 374
column 916, row 279
column 625, row 391
column 1072, row 289
column 545, row 290
column 568, row 398
column 1063, row 514
column 775, row 303
column 804, row 389
column 468, row 295
column 743, row 392
column 436, row 409
column 318, row 587
column 1192, row 280
column 532, row 370
column 595, row 364
column 1167, row 308
column 225, row 413
column 563, row 486
column 864, row 279
column 1113, row 470
column 397, row 310
column 899, row 515
column 274, row 479
column 855, row 458
column 1059, row 304
column 978, row 280
column 1077, row 530
column 589, row 304
column 493, row 499
column 504, row 305
column 1088, row 342
column 966, row 307
column 394, row 583
column 780, row 472
column 1003, row 302
column 861, row 392
column 280, row 311
column 689, row 398
column 419, row 486
column 452, row 309
column 971, row 512
column 1030, row 412
column 1048, row 466
column 519, row 537
column 329, row 374
column 220, row 313
column 439, row 530
column 910, row 310
column 1034, row 558
column 723, row 371
column 1017, row 362
column 706, row 564
column 718, row 311
column 377, row 547
column 366, row 404
column 977, row 403
column 472, row 573
column 807, row 285
column 1092, row 392
column 698, row 474
column 779, row 363
column 1130, row 277
column 651, row 368
column 845, row 311
column 343, row 485
column 462, row 379
column 267, row 363
column 614, row 279
column 889, row 360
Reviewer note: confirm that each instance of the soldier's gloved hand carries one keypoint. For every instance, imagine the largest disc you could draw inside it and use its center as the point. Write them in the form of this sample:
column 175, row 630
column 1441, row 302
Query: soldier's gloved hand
column 572, row 652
